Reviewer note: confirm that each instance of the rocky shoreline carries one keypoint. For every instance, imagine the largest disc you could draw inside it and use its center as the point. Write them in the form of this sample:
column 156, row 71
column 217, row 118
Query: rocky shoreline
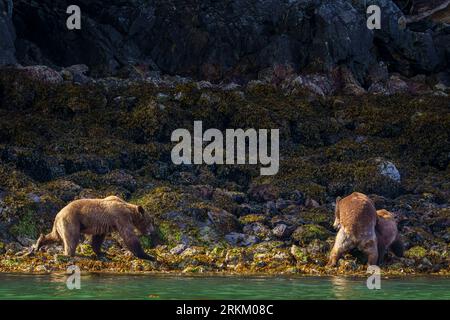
column 204, row 262
column 64, row 136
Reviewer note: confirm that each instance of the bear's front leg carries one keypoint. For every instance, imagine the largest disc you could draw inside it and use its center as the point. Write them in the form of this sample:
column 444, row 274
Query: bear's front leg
column 134, row 245
column 96, row 244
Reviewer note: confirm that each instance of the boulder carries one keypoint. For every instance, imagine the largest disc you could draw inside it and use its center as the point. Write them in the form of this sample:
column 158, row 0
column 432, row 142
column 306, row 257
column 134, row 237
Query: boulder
column 223, row 221
column 307, row 233
column 240, row 239
column 316, row 84
column 389, row 170
column 44, row 74
column 282, row 231
column 179, row 249
column 78, row 73
column 257, row 229
column 406, row 51
column 263, row 193
column 121, row 178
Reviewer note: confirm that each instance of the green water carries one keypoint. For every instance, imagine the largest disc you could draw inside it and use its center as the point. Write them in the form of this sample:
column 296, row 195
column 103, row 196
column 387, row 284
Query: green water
column 182, row 287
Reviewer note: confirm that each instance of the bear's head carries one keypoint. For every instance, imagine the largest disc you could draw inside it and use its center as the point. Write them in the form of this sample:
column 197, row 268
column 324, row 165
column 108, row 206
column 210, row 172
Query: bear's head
column 144, row 222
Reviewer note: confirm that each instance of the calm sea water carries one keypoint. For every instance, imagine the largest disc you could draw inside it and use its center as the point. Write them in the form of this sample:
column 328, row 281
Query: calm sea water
column 103, row 286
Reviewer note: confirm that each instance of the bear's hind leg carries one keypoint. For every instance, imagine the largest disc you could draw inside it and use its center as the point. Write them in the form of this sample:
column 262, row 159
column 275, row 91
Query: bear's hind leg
column 96, row 243
column 43, row 240
column 70, row 248
column 71, row 238
column 370, row 248
column 342, row 245
column 381, row 254
column 397, row 247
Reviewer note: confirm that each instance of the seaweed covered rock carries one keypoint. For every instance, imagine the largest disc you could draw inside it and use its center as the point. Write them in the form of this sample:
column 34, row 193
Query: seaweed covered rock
column 64, row 189
column 307, row 233
column 60, row 142
column 44, row 74
column 223, row 221
column 240, row 239
column 7, row 33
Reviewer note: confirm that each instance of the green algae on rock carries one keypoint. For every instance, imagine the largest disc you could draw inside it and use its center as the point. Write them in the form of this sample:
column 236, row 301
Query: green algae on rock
column 60, row 142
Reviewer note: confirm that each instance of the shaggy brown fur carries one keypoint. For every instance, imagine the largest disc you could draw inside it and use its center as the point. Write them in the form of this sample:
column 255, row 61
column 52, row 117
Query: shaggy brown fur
column 356, row 218
column 387, row 235
column 99, row 217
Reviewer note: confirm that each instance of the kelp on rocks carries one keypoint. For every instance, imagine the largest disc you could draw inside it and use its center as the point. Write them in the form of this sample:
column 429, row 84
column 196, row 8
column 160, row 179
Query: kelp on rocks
column 60, row 142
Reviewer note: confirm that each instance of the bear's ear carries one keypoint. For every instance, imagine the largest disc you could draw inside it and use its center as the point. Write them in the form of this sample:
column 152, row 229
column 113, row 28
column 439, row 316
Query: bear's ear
column 336, row 206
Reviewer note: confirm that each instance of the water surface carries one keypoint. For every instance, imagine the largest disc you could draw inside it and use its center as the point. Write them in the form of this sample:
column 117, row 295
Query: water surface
column 106, row 286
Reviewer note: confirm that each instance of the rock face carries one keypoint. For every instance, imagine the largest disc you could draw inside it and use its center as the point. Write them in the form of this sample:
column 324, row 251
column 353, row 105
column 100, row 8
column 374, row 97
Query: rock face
column 219, row 39
column 7, row 34
column 414, row 51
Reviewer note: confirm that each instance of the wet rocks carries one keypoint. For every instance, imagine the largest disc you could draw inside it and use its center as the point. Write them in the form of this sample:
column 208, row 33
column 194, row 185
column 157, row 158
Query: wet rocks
column 39, row 166
column 307, row 233
column 299, row 254
column 257, row 229
column 44, row 74
column 331, row 147
column 77, row 74
column 319, row 85
column 389, row 170
column 233, row 257
column 413, row 50
column 231, row 196
column 179, row 249
column 240, row 239
column 282, row 231
column 223, row 221
column 13, row 247
column 122, row 179
column 64, row 189
column 263, row 193
column 348, row 83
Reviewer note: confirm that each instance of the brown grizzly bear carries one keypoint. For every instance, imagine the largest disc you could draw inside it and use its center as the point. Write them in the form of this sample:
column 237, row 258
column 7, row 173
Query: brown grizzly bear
column 99, row 217
column 387, row 235
column 356, row 218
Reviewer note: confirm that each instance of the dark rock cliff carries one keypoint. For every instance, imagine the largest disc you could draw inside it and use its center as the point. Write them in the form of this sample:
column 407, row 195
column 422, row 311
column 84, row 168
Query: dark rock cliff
column 233, row 39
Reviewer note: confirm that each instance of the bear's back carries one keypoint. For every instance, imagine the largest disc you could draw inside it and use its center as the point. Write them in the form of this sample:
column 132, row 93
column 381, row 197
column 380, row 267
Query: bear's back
column 386, row 227
column 97, row 209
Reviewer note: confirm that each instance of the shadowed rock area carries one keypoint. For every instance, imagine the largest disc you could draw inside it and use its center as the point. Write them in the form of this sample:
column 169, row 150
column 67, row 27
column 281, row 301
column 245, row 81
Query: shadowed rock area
column 229, row 39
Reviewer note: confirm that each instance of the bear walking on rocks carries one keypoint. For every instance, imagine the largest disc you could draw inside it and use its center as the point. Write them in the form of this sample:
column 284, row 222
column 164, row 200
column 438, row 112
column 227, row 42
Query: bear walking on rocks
column 356, row 218
column 387, row 235
column 99, row 217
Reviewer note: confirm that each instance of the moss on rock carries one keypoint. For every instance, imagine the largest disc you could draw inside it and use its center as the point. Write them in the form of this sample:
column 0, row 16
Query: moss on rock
column 307, row 233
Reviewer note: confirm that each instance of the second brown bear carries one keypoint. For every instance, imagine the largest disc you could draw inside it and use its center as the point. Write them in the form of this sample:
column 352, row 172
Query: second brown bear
column 356, row 218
